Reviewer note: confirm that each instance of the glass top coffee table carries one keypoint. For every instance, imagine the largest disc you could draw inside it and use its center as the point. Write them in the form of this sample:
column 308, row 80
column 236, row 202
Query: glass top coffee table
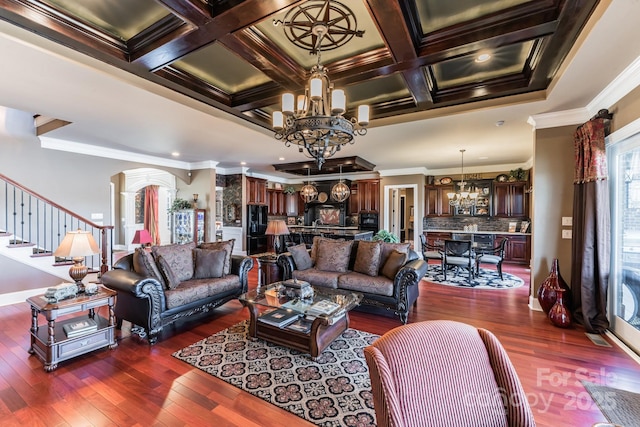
column 308, row 325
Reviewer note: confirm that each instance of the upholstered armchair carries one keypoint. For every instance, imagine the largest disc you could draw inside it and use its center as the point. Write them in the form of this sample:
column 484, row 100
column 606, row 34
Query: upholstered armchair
column 444, row 373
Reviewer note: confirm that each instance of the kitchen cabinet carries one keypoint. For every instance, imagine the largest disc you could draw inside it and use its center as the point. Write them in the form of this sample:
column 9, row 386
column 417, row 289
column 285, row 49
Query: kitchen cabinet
column 369, row 195
column 517, row 250
column 188, row 225
column 354, row 199
column 510, row 199
column 292, row 203
column 436, row 201
column 256, row 191
column 276, row 202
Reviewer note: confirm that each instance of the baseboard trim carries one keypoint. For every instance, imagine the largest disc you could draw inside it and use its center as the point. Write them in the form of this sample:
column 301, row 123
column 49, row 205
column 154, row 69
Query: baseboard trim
column 623, row 346
column 20, row 296
column 534, row 304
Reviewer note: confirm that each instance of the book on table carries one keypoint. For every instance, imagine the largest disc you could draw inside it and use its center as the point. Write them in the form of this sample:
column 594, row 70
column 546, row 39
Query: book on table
column 78, row 327
column 301, row 325
column 321, row 307
column 279, row 317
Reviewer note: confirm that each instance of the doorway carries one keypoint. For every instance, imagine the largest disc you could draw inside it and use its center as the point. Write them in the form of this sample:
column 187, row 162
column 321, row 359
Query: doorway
column 398, row 209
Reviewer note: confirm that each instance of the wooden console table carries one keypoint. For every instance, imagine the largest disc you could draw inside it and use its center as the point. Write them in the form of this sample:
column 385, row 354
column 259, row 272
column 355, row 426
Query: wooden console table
column 52, row 345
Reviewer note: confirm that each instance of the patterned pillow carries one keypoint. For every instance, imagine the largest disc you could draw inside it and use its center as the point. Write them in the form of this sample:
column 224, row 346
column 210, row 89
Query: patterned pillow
column 314, row 247
column 368, row 257
column 178, row 257
column 169, row 275
column 301, row 257
column 395, row 261
column 333, row 255
column 227, row 246
column 209, row 263
column 387, row 248
column 145, row 265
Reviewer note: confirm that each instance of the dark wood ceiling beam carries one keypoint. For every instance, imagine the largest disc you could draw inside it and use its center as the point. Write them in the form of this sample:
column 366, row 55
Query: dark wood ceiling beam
column 390, row 21
column 417, row 84
column 501, row 86
column 244, row 14
column 188, row 81
column 192, row 11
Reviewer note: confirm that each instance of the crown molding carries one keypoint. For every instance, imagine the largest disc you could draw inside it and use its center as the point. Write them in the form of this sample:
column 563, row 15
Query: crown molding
column 626, row 81
column 559, row 118
column 407, row 171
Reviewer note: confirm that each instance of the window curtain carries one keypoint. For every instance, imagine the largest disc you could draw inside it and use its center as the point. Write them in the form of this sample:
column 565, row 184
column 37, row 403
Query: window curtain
column 591, row 228
column 151, row 213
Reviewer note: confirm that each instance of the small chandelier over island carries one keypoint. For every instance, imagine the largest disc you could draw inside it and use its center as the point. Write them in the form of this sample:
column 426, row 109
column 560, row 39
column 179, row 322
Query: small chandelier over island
column 314, row 120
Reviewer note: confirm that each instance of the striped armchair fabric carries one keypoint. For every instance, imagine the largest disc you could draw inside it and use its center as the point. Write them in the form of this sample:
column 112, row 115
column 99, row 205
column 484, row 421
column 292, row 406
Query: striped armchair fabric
column 444, row 373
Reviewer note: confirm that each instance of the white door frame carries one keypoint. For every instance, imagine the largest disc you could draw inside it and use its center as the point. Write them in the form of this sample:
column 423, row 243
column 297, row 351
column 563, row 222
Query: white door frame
column 387, row 206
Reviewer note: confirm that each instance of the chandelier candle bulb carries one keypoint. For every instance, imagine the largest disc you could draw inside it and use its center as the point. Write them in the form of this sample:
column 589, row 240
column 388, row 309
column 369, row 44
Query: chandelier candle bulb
column 287, row 103
column 316, row 88
column 338, row 101
column 278, row 120
column 363, row 115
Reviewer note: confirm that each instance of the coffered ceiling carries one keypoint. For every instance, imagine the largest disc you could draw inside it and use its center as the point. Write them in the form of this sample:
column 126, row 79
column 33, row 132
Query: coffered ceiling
column 416, row 59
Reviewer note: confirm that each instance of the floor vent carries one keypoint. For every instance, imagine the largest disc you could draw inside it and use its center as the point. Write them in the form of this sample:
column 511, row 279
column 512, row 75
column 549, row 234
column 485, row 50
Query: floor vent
column 597, row 340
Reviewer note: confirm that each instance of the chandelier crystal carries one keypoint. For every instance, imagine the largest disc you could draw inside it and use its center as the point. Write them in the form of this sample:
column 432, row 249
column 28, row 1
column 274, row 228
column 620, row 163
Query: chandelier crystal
column 463, row 198
column 341, row 191
column 314, row 120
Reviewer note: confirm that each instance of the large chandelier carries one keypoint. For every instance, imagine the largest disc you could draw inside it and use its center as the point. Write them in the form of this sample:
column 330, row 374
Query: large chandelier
column 314, row 120
column 463, row 198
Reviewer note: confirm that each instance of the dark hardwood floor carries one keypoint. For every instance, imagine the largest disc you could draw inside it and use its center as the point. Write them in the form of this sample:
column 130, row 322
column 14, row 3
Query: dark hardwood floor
column 138, row 385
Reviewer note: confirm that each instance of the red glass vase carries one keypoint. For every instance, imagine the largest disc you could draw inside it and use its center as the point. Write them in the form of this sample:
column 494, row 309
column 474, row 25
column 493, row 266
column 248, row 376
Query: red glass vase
column 559, row 314
column 547, row 290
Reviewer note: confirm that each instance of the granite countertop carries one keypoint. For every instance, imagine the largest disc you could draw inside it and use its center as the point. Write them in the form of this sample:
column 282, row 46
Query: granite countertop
column 322, row 227
column 441, row 230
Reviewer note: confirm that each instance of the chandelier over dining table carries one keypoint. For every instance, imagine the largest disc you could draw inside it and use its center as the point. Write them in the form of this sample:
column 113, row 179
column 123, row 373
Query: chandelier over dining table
column 463, row 198
column 314, row 120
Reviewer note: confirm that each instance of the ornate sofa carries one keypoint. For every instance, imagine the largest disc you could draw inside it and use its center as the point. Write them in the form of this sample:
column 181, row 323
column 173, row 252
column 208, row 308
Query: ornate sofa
column 386, row 274
column 175, row 281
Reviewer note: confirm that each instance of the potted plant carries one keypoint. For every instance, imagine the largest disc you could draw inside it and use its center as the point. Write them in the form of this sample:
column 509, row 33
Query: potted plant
column 180, row 204
column 385, row 236
column 289, row 189
column 518, row 174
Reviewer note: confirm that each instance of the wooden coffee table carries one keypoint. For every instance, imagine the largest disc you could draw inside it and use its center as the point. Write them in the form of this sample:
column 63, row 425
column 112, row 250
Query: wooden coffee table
column 324, row 328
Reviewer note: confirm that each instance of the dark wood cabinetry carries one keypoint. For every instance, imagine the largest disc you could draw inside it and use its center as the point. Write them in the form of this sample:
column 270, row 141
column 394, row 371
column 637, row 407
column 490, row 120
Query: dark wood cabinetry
column 256, row 191
column 365, row 196
column 510, row 199
column 437, row 239
column 276, row 202
column 436, row 201
column 517, row 250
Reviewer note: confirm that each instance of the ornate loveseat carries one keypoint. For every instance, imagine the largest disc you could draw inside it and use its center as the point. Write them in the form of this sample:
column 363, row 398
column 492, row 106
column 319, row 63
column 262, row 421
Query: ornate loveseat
column 386, row 274
column 158, row 287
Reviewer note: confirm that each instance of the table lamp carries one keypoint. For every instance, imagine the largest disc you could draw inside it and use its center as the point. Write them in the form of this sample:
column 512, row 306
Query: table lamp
column 142, row 237
column 77, row 245
column 277, row 228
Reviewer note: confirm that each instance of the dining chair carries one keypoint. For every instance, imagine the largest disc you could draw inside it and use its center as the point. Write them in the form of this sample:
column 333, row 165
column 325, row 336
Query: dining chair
column 493, row 256
column 430, row 251
column 458, row 254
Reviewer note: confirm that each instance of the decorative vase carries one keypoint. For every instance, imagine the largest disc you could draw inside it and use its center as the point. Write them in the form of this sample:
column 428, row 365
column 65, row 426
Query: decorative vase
column 547, row 290
column 559, row 313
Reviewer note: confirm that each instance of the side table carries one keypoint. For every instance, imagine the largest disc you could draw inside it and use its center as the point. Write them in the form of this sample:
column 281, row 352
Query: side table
column 52, row 345
column 268, row 270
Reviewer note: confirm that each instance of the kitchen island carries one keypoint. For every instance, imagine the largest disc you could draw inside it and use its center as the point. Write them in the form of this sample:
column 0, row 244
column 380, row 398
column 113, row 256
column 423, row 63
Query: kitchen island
column 348, row 233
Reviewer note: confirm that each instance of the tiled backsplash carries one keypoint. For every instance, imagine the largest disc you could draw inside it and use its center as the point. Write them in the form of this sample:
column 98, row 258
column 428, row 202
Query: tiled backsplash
column 458, row 223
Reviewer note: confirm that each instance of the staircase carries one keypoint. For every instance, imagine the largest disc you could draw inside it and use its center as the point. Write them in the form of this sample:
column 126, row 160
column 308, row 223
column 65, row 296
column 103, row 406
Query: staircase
column 32, row 227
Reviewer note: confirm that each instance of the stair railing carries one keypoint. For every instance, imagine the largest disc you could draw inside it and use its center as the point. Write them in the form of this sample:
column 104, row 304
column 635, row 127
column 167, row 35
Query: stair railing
column 34, row 220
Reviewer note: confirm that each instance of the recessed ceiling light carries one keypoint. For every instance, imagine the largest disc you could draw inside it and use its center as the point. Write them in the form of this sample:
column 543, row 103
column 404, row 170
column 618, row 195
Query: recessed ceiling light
column 175, row 154
column 281, row 158
column 483, row 57
column 483, row 158
column 243, row 163
column 499, row 123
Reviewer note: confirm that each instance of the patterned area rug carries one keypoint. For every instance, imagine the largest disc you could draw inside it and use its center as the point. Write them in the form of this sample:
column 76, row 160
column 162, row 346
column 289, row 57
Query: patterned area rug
column 334, row 390
column 621, row 407
column 487, row 279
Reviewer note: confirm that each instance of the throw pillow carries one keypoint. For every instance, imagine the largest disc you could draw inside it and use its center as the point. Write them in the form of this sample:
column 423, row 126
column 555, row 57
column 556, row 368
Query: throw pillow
column 179, row 257
column 314, row 247
column 145, row 265
column 209, row 263
column 368, row 257
column 226, row 246
column 395, row 261
column 387, row 248
column 301, row 257
column 333, row 255
column 170, row 278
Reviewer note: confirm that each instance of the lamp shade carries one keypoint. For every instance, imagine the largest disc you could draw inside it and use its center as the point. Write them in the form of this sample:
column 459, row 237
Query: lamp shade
column 277, row 227
column 142, row 237
column 77, row 244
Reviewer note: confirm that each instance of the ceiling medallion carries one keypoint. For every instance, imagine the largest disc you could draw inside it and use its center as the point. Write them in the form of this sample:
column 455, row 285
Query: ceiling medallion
column 314, row 121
